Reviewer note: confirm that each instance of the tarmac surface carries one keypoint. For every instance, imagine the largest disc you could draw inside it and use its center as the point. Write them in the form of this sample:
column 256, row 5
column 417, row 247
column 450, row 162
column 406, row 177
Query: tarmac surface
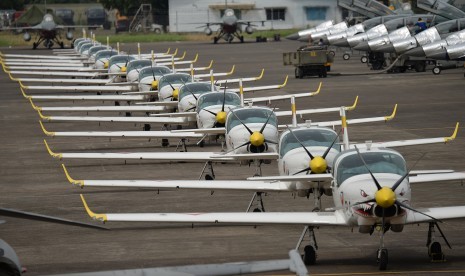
column 31, row 180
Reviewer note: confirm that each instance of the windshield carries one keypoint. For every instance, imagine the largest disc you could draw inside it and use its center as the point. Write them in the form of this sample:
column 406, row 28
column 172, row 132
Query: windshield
column 95, row 49
column 450, row 26
column 249, row 116
column 120, row 59
column 378, row 162
column 137, row 64
column 216, row 98
column 105, row 54
column 155, row 70
column 173, row 79
column 316, row 137
column 85, row 47
column 194, row 88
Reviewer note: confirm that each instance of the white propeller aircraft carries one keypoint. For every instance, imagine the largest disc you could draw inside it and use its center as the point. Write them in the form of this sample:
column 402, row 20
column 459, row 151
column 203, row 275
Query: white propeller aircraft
column 371, row 191
column 306, row 149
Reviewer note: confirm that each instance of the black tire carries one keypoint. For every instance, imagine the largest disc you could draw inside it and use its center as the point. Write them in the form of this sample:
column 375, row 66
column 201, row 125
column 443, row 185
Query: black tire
column 62, row 45
column 257, row 210
column 165, row 142
column 34, row 46
column 364, row 59
column 215, row 40
column 299, row 73
column 436, row 70
column 346, row 56
column 309, row 257
column 241, row 39
column 209, row 177
column 383, row 259
column 435, row 251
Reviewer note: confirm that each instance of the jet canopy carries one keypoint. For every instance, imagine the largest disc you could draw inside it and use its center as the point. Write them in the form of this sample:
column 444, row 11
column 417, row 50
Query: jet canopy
column 316, row 137
column 216, row 98
column 252, row 115
column 378, row 161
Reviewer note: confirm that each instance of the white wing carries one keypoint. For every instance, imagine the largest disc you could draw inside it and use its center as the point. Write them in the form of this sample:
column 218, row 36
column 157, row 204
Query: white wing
column 259, row 88
column 67, row 81
column 435, row 177
column 336, row 218
column 439, row 213
column 155, row 120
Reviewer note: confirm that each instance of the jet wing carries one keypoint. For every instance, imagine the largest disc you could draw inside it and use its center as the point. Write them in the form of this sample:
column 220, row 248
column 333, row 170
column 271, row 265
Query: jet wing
column 336, row 218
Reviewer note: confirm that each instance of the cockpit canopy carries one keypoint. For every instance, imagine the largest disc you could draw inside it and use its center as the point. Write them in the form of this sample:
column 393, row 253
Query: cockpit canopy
column 94, row 49
column 105, row 54
column 385, row 161
column 175, row 78
column 217, row 98
column 309, row 137
column 48, row 18
column 138, row 64
column 153, row 71
column 250, row 116
column 120, row 59
column 194, row 88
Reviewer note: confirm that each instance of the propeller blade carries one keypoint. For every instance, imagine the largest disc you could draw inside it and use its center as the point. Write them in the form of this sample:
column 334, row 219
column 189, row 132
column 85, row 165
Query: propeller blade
column 394, row 187
column 245, row 144
column 209, row 111
column 271, row 142
column 32, row 216
column 153, row 73
column 306, row 150
column 304, row 170
column 224, row 97
column 366, row 166
column 332, row 144
column 248, row 129
column 187, row 87
column 267, row 120
column 443, row 236
column 411, row 209
column 191, row 108
column 172, row 87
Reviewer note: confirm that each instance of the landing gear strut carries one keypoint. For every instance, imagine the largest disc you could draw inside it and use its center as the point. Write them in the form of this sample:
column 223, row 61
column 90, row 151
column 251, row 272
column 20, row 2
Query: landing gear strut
column 256, row 200
column 434, row 248
column 207, row 171
column 309, row 256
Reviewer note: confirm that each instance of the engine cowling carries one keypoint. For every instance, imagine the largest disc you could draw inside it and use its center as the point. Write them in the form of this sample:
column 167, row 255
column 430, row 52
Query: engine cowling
column 26, row 37
column 249, row 29
column 69, row 35
column 208, row 31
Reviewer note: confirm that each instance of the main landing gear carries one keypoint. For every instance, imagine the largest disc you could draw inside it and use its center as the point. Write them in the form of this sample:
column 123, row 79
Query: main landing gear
column 310, row 255
column 434, row 248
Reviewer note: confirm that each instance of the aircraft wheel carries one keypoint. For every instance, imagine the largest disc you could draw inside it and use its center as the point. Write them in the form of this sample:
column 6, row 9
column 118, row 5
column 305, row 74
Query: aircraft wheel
column 202, row 144
column 435, row 252
column 215, row 40
column 209, row 177
column 241, row 39
column 364, row 59
column 332, row 53
column 346, row 56
column 309, row 257
column 436, row 70
column 34, row 46
column 420, row 67
column 257, row 210
column 62, row 45
column 165, row 142
column 382, row 258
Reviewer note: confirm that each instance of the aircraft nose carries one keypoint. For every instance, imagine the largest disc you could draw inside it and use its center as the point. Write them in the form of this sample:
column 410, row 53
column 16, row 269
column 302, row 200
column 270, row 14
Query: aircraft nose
column 293, row 36
column 386, row 49
column 416, row 52
column 363, row 46
column 342, row 42
column 439, row 55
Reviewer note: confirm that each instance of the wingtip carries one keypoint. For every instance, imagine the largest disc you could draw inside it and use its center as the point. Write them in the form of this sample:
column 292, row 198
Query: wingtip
column 261, row 74
column 183, row 55
column 232, row 69
column 70, row 179
column 175, row 52
column 285, row 82
column 211, row 64
column 54, row 155
column 24, row 93
column 48, row 133
column 101, row 217
column 168, row 51
column 35, row 107
column 388, row 118
column 318, row 90
column 454, row 134
column 196, row 58
column 42, row 116
column 354, row 105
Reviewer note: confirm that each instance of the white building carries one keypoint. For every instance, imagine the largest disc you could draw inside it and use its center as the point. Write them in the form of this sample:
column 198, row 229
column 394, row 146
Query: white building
column 190, row 16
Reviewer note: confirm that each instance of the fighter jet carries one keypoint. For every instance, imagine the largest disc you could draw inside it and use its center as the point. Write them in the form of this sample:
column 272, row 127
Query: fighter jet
column 48, row 32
